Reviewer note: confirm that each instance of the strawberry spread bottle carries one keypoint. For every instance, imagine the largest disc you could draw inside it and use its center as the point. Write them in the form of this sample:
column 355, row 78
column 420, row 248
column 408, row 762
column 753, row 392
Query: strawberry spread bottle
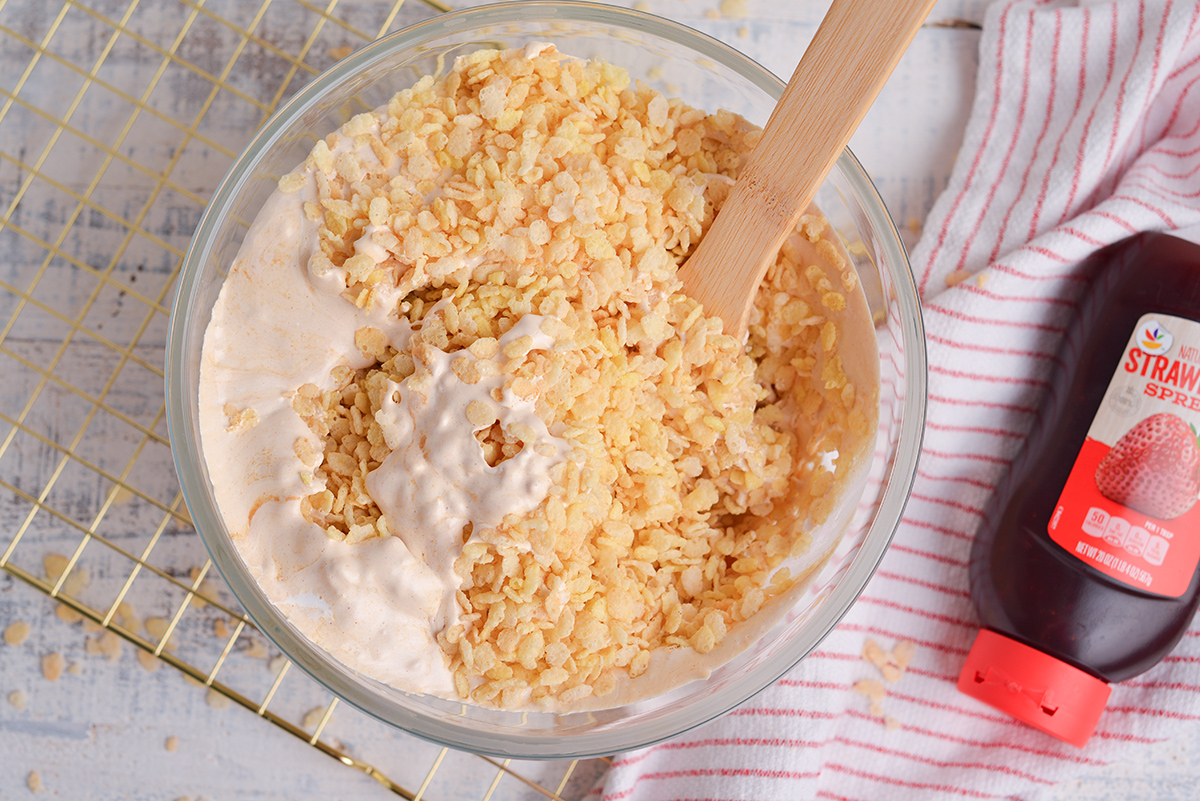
column 1084, row 571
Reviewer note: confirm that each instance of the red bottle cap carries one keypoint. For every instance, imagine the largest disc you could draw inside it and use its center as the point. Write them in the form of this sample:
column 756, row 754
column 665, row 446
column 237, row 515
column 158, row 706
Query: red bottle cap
column 1034, row 687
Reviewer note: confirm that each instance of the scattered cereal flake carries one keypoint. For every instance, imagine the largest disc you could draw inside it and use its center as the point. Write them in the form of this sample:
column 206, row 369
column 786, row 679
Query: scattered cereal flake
column 216, row 700
column 90, row 626
column 743, row 32
column 891, row 664
column 257, row 650
column 915, row 225
column 957, row 277
column 157, row 627
column 16, row 632
column 890, row 723
column 203, row 589
column 111, row 645
column 127, row 616
column 312, row 717
column 52, row 666
column 712, row 13
column 107, row 644
column 338, row 53
column 148, row 661
column 981, row 279
column 870, row 688
column 220, row 628
column 172, row 743
column 67, row 614
column 54, row 564
column 34, row 782
column 18, row 700
column 277, row 664
column 876, row 709
column 192, row 680
column 873, row 653
column 903, row 653
column 734, row 9
column 642, row 5
column 75, row 668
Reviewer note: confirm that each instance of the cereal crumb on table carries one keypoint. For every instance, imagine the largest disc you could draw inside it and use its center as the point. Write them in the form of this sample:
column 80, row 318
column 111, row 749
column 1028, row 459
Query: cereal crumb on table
column 981, row 279
column 220, row 628
column 312, row 717
column 734, row 9
column 18, row 700
column 108, row 644
column 206, row 589
column 257, row 650
column 68, row 615
column 52, row 666
column 172, row 743
column 16, row 632
column 157, row 627
column 34, row 782
column 75, row 668
column 148, row 661
column 216, row 700
column 55, row 564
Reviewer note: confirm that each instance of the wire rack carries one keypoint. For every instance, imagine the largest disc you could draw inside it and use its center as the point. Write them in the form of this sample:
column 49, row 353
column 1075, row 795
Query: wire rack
column 117, row 119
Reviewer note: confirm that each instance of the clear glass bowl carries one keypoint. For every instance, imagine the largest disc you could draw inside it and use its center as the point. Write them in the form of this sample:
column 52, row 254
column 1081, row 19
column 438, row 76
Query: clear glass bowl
column 706, row 74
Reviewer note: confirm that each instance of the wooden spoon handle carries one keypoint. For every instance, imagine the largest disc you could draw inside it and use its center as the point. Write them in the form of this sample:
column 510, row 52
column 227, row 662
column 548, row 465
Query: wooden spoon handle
column 852, row 54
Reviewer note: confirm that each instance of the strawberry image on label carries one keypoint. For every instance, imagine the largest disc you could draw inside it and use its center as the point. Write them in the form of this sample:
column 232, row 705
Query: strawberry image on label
column 1154, row 468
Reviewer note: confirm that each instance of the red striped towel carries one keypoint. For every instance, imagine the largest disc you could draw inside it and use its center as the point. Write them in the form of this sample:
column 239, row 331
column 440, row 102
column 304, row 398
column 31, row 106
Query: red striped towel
column 1085, row 129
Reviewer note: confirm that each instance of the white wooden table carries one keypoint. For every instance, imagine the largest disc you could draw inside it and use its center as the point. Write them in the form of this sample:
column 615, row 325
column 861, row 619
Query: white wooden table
column 94, row 238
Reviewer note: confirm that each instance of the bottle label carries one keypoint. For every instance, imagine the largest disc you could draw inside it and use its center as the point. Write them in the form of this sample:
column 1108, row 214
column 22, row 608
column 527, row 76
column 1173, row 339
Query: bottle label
column 1129, row 508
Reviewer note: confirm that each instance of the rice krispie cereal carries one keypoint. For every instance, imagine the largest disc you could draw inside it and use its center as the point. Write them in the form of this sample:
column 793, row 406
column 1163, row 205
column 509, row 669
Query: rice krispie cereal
column 465, row 428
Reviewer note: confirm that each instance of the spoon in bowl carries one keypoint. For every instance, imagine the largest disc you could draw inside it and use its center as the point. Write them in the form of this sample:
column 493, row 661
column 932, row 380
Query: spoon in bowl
column 851, row 56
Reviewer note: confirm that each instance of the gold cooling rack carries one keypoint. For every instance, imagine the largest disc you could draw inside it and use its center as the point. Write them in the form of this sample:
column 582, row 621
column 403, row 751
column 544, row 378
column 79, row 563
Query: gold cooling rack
column 117, row 119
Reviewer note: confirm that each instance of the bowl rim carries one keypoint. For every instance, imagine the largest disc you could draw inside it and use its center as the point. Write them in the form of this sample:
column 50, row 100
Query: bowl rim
column 186, row 451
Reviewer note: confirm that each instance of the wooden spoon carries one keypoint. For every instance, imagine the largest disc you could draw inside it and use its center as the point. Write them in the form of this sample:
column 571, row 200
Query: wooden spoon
column 850, row 57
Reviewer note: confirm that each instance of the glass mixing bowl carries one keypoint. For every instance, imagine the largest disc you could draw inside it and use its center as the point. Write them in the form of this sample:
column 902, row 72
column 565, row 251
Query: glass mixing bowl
column 706, row 74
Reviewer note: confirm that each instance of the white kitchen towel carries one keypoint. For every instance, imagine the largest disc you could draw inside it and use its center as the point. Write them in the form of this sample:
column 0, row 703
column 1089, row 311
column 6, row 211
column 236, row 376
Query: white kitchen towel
column 1085, row 129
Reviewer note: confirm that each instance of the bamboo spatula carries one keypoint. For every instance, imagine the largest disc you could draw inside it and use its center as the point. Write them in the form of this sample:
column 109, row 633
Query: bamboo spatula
column 852, row 54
